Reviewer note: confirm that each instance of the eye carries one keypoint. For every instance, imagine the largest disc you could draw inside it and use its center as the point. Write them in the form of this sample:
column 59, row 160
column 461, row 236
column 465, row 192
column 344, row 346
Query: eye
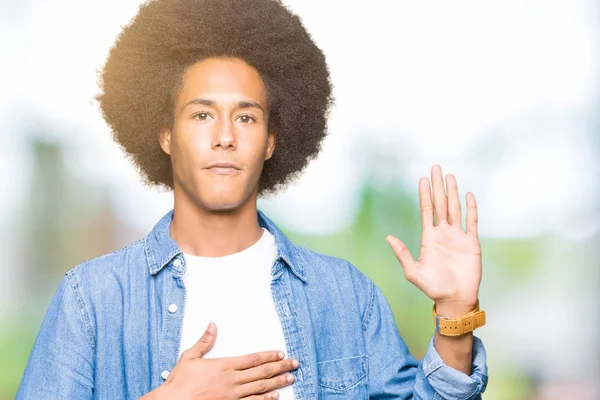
column 246, row 119
column 202, row 116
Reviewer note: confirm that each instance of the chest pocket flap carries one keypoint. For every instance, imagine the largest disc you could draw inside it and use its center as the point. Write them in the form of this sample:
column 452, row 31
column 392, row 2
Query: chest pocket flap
column 342, row 374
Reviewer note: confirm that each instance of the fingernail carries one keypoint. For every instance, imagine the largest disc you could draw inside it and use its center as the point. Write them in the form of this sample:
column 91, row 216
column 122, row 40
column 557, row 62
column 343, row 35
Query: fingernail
column 211, row 328
column 295, row 363
column 280, row 354
column 275, row 395
column 290, row 378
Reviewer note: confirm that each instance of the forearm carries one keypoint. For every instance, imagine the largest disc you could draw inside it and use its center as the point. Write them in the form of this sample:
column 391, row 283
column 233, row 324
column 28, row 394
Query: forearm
column 456, row 351
column 394, row 372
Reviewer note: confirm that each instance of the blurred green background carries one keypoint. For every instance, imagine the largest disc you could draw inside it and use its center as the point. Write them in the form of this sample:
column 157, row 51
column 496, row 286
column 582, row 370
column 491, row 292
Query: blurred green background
column 68, row 221
column 503, row 94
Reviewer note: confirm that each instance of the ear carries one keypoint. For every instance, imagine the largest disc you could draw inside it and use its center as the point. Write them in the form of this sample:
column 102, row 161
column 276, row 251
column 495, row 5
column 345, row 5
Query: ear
column 271, row 141
column 165, row 140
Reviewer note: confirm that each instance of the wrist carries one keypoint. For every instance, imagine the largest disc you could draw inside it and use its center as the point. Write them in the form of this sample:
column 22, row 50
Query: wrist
column 460, row 318
column 452, row 309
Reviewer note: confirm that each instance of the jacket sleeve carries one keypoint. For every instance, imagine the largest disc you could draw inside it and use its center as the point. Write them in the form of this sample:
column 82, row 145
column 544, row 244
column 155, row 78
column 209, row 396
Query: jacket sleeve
column 61, row 363
column 395, row 374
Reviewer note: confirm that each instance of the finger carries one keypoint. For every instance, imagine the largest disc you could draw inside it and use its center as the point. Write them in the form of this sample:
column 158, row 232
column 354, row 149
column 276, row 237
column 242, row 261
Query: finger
column 440, row 200
column 255, row 359
column 472, row 217
column 266, row 396
column 266, row 385
column 403, row 255
column 204, row 344
column 454, row 216
column 425, row 203
column 267, row 370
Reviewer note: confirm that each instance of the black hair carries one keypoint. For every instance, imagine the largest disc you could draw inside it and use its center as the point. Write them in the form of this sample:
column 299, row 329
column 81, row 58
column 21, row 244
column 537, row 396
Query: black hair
column 145, row 67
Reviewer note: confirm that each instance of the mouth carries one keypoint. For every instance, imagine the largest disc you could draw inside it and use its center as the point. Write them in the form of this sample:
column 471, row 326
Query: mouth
column 223, row 168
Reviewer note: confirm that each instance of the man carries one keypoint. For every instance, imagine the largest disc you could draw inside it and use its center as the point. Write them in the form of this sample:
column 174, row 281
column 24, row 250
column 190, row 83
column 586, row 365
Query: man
column 223, row 100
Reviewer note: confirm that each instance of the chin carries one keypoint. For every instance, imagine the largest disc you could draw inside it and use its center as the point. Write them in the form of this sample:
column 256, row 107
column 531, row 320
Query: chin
column 224, row 204
column 221, row 207
column 218, row 198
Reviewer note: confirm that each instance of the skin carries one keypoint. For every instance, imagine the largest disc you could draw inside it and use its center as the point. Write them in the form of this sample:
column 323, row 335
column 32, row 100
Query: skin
column 449, row 267
column 249, row 377
column 214, row 213
column 221, row 115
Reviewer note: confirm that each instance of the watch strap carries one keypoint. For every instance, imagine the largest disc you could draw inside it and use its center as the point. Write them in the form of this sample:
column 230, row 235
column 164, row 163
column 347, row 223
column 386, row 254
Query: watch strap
column 460, row 325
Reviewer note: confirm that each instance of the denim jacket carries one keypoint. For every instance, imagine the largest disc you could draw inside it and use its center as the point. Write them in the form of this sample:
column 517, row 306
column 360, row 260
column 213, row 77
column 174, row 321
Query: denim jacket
column 109, row 332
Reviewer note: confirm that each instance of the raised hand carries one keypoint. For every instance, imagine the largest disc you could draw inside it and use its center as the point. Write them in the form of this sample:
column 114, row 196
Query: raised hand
column 253, row 376
column 448, row 270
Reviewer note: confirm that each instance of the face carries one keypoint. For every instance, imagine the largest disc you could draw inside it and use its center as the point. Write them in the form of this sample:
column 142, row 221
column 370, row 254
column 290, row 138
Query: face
column 219, row 140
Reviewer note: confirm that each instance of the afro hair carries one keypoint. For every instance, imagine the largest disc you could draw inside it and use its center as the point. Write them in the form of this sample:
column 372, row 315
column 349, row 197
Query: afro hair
column 144, row 71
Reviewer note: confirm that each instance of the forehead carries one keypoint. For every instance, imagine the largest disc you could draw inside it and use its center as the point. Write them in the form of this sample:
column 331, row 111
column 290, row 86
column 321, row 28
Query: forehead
column 223, row 79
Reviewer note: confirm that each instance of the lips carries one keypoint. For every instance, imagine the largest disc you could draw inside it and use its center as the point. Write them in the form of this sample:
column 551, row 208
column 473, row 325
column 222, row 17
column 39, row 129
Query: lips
column 223, row 168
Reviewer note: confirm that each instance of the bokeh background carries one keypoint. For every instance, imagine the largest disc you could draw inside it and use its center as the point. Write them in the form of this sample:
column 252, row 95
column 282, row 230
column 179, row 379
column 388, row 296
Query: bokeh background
column 503, row 94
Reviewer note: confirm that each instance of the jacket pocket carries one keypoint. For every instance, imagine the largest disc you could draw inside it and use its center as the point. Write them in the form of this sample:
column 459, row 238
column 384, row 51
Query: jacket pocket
column 343, row 378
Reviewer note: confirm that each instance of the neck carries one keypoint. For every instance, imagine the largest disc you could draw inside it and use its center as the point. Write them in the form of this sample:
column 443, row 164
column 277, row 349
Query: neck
column 202, row 232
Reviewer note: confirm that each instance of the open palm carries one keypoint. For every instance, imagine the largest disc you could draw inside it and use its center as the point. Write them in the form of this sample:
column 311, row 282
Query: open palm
column 448, row 270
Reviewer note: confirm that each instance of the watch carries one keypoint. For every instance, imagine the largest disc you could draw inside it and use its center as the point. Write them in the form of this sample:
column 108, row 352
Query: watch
column 460, row 325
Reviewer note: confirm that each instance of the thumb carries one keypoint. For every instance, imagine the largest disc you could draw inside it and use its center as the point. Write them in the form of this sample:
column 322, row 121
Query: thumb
column 403, row 255
column 205, row 343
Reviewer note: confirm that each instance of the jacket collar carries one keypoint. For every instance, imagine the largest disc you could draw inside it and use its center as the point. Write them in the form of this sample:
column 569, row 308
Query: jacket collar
column 161, row 249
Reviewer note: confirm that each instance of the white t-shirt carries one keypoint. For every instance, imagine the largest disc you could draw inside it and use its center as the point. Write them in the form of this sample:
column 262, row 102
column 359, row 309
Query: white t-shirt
column 234, row 292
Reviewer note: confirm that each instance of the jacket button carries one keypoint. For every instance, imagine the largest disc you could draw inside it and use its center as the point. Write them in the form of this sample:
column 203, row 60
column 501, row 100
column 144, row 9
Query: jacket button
column 172, row 308
column 177, row 262
column 164, row 374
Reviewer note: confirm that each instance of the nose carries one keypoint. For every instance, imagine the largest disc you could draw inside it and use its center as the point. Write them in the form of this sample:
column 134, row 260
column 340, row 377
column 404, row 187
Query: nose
column 224, row 136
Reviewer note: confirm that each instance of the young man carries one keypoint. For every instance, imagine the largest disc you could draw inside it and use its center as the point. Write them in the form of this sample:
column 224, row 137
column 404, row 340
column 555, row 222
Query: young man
column 223, row 100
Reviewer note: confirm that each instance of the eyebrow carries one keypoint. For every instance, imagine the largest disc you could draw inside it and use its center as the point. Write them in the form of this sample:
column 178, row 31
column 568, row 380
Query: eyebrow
column 212, row 103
